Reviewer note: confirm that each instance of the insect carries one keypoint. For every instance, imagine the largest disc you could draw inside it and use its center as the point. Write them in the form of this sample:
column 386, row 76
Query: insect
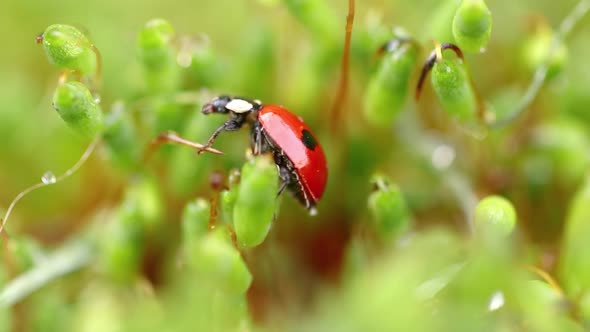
column 296, row 151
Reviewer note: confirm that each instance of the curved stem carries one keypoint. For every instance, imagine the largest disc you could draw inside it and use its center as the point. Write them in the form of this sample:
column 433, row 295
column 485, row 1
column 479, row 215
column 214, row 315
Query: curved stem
column 65, row 175
column 98, row 73
column 424, row 145
column 540, row 75
column 547, row 278
column 65, row 260
column 344, row 68
column 428, row 64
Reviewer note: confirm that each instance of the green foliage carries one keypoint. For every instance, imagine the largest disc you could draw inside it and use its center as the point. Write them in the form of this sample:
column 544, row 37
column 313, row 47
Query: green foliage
column 316, row 16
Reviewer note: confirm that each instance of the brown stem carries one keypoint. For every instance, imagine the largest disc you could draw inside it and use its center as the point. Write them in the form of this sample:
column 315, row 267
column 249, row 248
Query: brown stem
column 344, row 69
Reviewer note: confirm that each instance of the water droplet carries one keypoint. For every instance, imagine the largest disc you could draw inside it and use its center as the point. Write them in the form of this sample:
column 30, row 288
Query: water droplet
column 482, row 50
column 497, row 301
column 313, row 211
column 48, row 178
column 97, row 99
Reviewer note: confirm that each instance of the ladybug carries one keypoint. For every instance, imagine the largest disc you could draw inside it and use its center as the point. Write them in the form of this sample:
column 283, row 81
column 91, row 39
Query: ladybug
column 296, row 151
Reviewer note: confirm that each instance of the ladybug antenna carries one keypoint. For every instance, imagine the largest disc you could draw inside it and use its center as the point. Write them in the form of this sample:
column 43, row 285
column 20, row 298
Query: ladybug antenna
column 344, row 69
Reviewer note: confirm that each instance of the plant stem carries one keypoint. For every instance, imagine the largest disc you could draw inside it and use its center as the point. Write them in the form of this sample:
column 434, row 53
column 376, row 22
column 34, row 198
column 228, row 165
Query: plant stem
column 425, row 145
column 67, row 174
column 344, row 69
column 540, row 75
column 63, row 261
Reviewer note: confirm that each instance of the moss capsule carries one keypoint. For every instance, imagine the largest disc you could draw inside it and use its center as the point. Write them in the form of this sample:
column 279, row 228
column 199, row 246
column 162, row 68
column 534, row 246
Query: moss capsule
column 154, row 43
column 472, row 25
column 256, row 201
column 157, row 56
column 452, row 86
column 389, row 212
column 121, row 247
column 495, row 214
column 68, row 48
column 387, row 91
column 195, row 220
column 536, row 52
column 228, row 198
column 121, row 138
column 78, row 109
column 144, row 199
column 453, row 89
column 215, row 258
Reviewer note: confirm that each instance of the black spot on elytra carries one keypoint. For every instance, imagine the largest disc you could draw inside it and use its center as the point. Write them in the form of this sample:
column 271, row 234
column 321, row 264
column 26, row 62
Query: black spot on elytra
column 308, row 139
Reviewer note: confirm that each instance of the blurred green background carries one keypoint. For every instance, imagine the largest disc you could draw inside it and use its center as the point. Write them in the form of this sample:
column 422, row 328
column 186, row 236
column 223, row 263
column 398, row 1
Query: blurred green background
column 262, row 50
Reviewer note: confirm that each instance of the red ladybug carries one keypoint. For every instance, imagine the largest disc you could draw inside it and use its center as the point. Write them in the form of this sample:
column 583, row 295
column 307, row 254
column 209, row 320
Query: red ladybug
column 296, row 151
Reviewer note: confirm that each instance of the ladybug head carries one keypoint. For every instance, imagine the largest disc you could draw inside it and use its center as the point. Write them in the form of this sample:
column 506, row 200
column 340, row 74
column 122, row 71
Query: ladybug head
column 217, row 105
column 226, row 104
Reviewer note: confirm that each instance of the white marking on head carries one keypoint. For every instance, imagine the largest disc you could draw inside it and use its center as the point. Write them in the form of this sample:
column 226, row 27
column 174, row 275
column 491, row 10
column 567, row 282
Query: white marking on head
column 239, row 106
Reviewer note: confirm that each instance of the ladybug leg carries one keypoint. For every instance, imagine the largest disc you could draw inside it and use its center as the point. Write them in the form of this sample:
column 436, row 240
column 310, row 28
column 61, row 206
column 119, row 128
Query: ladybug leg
column 260, row 143
column 171, row 137
column 285, row 176
column 258, row 140
column 229, row 125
